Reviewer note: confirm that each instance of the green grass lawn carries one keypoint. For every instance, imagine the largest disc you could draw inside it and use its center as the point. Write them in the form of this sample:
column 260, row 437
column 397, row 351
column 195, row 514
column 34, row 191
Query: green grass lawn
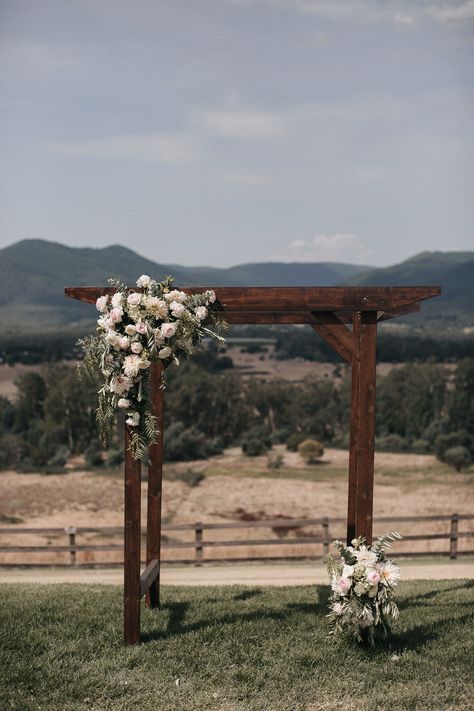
column 229, row 649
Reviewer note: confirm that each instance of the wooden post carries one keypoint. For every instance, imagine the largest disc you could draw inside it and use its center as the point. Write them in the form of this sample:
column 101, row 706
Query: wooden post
column 361, row 454
column 453, row 543
column 155, row 476
column 132, row 534
column 71, row 531
column 198, row 543
column 326, row 541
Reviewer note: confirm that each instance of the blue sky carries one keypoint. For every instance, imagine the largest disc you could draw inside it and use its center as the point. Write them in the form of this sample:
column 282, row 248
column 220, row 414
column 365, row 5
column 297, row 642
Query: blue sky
column 226, row 131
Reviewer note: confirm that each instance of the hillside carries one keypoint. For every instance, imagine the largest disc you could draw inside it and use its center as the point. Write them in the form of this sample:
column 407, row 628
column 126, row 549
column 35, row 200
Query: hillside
column 33, row 274
column 454, row 271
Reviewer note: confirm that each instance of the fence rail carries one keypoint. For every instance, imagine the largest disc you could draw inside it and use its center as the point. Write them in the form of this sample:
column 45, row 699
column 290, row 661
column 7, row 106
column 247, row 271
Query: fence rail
column 199, row 543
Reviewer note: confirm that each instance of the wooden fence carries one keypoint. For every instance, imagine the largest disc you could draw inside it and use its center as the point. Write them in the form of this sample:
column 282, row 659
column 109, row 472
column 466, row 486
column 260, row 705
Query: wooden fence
column 319, row 542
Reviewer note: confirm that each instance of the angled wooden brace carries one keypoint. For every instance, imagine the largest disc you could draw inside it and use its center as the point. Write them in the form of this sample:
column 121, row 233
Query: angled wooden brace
column 335, row 332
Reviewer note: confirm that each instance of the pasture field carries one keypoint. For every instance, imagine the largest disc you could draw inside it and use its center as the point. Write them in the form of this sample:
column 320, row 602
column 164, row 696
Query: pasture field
column 231, row 649
column 235, row 488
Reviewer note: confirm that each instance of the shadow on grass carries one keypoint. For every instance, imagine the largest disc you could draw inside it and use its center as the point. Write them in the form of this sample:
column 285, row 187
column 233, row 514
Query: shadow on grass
column 177, row 612
column 417, row 637
column 421, row 599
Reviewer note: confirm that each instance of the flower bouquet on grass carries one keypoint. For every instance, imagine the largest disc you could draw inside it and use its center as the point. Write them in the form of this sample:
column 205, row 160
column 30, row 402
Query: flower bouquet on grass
column 363, row 582
column 136, row 328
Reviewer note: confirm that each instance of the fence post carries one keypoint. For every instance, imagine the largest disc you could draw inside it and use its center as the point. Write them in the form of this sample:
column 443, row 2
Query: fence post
column 326, row 541
column 453, row 547
column 71, row 531
column 198, row 543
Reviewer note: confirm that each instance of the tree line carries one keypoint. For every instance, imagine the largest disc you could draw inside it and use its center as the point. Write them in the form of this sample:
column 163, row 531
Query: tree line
column 421, row 408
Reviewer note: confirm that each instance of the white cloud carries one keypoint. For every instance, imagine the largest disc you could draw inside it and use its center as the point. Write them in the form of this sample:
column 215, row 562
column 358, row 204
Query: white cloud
column 251, row 179
column 452, row 13
column 242, row 124
column 341, row 247
column 154, row 148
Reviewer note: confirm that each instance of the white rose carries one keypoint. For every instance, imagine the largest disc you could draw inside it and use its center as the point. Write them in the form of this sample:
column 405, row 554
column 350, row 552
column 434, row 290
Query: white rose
column 140, row 327
column 201, row 312
column 101, row 303
column 144, row 280
column 102, row 322
column 164, row 352
column 158, row 337
column 113, row 338
column 123, row 403
column 133, row 419
column 137, row 347
column 130, row 330
column 117, row 299
column 211, row 296
column 176, row 295
column 134, row 298
column 177, row 308
column 168, row 329
column 124, row 342
column 116, row 314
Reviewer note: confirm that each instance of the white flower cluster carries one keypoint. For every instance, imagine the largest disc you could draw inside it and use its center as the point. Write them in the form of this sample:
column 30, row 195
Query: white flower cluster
column 362, row 584
column 137, row 328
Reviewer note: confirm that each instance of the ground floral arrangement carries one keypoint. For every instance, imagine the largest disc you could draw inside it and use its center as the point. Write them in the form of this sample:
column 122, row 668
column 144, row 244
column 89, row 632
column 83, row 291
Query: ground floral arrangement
column 135, row 329
column 363, row 582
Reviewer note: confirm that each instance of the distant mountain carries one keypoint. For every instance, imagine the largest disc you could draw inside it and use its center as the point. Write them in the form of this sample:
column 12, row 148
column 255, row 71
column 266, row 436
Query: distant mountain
column 33, row 274
column 454, row 271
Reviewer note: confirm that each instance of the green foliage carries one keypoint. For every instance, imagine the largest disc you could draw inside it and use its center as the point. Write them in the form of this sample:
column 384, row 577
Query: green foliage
column 294, row 440
column 310, row 450
column 391, row 443
column 191, row 477
column 458, row 457
column 275, row 461
column 254, row 447
column 188, row 443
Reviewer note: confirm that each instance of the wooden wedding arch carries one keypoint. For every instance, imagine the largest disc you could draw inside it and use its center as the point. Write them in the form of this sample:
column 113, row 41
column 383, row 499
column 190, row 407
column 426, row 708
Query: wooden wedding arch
column 346, row 317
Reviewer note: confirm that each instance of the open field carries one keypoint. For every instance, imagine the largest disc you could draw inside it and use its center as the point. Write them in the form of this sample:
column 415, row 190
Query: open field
column 231, row 649
column 236, row 488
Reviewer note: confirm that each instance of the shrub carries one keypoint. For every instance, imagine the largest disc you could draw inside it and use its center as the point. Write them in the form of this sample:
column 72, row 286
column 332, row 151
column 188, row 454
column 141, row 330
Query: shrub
column 184, row 444
column 114, row 458
column 59, row 458
column 275, row 461
column 310, row 450
column 294, row 440
column 93, row 454
column 420, row 446
column 254, row 447
column 191, row 477
column 458, row 457
column 460, row 438
column 391, row 443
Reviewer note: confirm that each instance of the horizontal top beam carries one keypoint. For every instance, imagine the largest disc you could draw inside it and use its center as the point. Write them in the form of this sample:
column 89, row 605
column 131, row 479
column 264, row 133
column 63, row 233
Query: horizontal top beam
column 295, row 302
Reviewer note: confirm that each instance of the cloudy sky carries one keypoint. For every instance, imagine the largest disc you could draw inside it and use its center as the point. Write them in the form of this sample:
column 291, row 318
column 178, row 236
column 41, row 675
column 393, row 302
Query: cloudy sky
column 226, row 131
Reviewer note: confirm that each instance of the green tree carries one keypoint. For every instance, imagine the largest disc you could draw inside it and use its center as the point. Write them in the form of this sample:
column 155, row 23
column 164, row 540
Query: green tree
column 458, row 457
column 310, row 450
column 461, row 401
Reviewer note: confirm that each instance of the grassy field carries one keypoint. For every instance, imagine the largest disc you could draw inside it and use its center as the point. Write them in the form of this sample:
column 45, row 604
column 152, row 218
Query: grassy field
column 231, row 649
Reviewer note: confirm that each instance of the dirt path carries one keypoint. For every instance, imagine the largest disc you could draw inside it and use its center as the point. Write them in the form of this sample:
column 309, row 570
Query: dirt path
column 278, row 574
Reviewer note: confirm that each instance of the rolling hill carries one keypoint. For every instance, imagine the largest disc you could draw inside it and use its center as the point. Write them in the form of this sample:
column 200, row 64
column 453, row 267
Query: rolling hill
column 454, row 271
column 33, row 274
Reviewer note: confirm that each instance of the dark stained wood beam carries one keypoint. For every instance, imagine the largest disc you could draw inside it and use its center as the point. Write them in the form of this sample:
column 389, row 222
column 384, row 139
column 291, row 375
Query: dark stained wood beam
column 155, row 478
column 288, row 299
column 132, row 534
column 335, row 332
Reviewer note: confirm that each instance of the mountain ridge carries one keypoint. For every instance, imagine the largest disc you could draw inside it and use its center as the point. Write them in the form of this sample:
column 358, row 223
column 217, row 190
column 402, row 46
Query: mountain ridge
column 34, row 272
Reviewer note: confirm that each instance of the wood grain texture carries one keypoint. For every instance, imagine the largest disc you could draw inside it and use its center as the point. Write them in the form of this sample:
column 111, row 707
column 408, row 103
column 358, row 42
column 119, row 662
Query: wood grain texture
column 364, row 465
column 354, row 433
column 132, row 533
column 336, row 334
column 287, row 299
column 155, row 478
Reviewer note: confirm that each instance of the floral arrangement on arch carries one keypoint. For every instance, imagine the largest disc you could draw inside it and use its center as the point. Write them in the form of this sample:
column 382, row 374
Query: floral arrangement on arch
column 363, row 582
column 134, row 330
